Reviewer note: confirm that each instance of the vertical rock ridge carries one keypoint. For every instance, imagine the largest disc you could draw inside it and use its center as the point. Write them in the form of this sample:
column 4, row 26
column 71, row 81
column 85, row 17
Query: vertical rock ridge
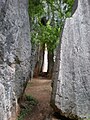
column 15, row 55
column 72, row 95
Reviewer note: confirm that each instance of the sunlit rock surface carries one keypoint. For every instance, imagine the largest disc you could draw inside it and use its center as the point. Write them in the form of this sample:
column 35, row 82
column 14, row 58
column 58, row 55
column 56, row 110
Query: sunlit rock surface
column 15, row 52
column 71, row 79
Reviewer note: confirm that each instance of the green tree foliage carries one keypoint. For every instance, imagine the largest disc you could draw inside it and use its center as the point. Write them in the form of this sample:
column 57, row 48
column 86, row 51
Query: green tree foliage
column 56, row 11
column 35, row 8
column 68, row 7
column 46, row 35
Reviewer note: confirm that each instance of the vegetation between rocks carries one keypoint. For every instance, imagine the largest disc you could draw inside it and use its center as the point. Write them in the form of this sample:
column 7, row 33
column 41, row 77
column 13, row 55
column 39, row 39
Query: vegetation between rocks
column 27, row 106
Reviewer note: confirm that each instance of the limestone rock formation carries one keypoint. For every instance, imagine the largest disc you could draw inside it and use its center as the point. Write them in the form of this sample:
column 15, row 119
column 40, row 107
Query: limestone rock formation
column 15, row 53
column 71, row 79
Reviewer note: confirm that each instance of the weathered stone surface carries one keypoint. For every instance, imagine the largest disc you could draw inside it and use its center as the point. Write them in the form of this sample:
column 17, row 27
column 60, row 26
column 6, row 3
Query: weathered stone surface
column 15, row 52
column 71, row 79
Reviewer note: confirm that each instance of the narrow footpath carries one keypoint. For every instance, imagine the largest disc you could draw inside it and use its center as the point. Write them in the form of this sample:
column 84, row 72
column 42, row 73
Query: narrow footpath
column 41, row 90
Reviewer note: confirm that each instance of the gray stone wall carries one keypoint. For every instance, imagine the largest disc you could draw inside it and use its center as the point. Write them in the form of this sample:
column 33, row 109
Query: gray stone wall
column 71, row 79
column 15, row 53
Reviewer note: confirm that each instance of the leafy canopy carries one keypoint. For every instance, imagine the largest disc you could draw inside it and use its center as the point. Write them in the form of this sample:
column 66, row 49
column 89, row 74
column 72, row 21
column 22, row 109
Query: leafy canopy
column 55, row 11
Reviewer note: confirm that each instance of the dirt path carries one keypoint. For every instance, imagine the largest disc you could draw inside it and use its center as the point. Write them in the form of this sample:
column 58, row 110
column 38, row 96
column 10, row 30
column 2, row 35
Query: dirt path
column 41, row 90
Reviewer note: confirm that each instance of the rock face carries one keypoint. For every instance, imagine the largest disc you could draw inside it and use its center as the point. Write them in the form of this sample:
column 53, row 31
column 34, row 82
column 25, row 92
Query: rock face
column 71, row 79
column 15, row 53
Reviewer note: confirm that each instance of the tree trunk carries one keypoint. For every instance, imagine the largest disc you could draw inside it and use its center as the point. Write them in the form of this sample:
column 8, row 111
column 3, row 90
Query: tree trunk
column 50, row 64
column 39, row 63
column 41, row 59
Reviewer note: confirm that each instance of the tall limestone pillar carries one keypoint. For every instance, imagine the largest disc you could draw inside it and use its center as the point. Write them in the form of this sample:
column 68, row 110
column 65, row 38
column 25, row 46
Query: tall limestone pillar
column 15, row 55
column 71, row 79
